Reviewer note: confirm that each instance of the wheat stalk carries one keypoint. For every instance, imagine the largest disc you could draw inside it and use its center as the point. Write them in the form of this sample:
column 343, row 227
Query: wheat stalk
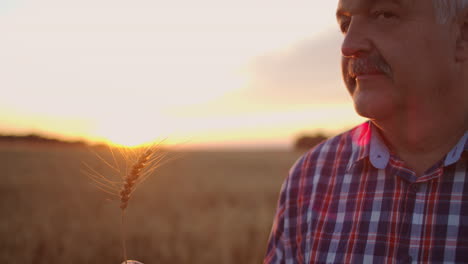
column 139, row 165
column 128, row 187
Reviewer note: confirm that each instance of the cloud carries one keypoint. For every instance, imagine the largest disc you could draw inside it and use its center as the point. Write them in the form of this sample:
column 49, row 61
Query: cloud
column 308, row 72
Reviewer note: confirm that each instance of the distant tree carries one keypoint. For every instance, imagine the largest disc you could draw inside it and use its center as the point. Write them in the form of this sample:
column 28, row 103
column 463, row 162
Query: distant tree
column 308, row 142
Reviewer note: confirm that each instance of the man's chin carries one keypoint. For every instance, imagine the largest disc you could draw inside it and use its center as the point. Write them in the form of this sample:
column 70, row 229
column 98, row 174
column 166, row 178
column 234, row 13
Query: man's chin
column 373, row 110
column 374, row 101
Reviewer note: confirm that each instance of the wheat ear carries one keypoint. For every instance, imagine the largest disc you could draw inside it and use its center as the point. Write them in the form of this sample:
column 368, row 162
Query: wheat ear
column 132, row 177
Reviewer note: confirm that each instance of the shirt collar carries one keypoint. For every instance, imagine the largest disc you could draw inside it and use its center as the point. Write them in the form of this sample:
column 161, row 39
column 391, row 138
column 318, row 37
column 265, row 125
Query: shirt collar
column 455, row 154
column 360, row 137
column 368, row 143
column 379, row 155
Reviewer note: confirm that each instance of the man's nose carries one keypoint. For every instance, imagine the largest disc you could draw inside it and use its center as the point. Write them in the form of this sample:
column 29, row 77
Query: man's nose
column 356, row 41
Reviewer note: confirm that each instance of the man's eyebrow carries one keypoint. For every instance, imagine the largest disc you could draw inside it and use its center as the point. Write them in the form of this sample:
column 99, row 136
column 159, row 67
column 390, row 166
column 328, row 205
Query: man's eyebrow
column 346, row 8
column 342, row 14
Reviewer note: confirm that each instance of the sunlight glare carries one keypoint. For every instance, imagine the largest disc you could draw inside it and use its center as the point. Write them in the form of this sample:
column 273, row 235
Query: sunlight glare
column 131, row 127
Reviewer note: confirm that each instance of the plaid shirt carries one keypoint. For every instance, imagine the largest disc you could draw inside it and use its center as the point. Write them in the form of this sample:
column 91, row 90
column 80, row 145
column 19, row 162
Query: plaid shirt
column 349, row 200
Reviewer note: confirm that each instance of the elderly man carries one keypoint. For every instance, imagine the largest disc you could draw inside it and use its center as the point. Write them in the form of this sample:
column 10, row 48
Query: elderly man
column 395, row 189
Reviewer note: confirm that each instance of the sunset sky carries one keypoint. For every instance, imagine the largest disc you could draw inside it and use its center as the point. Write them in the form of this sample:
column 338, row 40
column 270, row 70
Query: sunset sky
column 205, row 73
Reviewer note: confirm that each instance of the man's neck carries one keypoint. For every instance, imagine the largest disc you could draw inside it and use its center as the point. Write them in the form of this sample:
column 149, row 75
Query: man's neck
column 421, row 142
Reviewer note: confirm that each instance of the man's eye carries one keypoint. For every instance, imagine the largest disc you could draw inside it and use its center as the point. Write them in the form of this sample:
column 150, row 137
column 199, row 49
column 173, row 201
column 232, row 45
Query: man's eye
column 344, row 26
column 384, row 15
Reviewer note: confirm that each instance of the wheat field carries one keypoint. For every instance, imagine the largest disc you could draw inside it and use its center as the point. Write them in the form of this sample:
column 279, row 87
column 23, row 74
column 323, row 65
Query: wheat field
column 202, row 207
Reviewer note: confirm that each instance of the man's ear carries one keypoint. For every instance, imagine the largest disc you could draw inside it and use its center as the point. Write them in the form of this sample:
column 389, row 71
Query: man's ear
column 461, row 52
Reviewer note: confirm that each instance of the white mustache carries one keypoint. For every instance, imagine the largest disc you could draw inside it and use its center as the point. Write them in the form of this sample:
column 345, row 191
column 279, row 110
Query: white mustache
column 371, row 64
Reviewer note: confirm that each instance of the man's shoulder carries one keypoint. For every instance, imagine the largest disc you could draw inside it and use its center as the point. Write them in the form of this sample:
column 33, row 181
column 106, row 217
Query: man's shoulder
column 335, row 151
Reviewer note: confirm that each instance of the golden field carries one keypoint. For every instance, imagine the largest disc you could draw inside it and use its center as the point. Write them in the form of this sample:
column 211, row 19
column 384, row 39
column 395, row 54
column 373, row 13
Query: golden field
column 202, row 207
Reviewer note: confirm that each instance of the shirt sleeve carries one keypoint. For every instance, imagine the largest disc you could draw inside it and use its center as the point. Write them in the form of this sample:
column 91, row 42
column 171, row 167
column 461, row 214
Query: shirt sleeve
column 276, row 249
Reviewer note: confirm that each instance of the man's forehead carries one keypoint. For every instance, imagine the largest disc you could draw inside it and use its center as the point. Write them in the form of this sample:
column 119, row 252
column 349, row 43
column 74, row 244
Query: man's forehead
column 346, row 6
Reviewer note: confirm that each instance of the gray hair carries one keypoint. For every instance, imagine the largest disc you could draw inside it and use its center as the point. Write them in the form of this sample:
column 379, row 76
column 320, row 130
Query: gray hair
column 447, row 10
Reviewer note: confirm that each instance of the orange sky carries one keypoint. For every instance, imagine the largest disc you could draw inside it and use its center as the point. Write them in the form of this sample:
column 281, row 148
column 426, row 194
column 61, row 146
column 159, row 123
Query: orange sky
column 206, row 73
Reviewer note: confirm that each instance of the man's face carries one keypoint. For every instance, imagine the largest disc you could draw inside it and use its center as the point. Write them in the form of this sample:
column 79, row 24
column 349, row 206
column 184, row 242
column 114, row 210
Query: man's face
column 396, row 57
